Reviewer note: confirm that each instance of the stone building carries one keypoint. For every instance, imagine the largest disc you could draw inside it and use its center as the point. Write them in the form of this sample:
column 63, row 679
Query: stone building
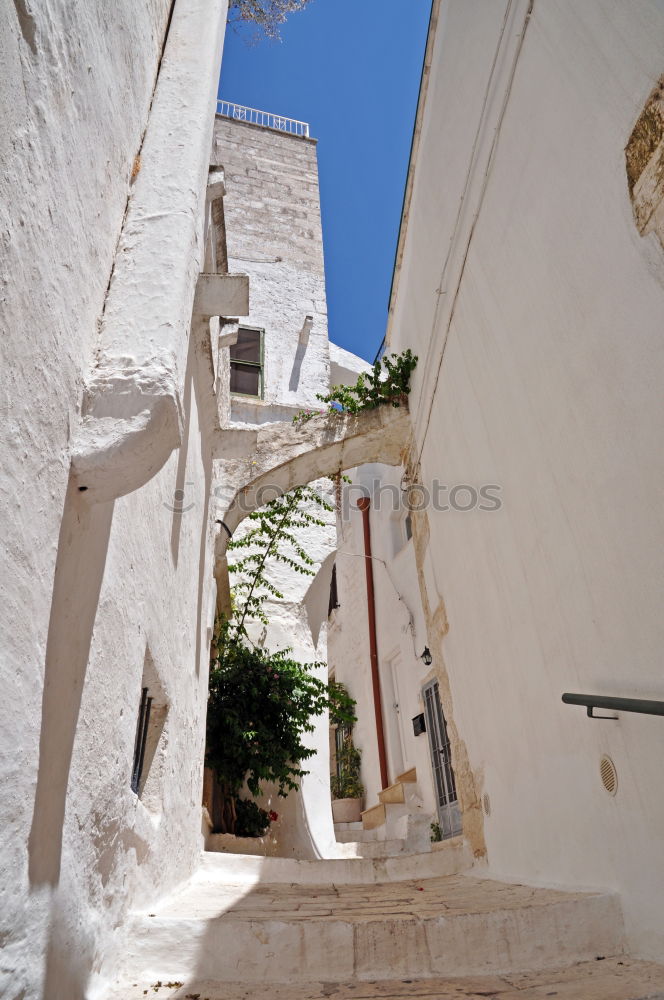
column 534, row 302
column 271, row 221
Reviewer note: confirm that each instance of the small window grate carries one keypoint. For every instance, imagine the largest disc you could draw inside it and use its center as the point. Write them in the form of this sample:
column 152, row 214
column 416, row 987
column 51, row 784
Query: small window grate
column 141, row 739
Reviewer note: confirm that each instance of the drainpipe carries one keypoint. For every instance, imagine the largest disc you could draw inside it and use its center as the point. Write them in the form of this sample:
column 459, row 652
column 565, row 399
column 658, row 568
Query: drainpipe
column 132, row 411
column 364, row 504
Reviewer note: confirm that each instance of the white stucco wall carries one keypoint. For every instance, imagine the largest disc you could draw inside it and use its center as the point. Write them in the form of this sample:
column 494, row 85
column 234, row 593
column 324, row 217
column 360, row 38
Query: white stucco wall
column 548, row 306
column 87, row 590
column 400, row 631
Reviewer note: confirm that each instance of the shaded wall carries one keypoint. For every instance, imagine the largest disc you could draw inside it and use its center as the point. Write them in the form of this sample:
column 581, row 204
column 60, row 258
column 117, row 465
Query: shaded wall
column 87, row 593
column 536, row 310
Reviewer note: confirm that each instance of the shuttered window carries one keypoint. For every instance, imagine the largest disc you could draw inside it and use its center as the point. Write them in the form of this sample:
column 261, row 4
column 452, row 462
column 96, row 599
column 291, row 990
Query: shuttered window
column 247, row 363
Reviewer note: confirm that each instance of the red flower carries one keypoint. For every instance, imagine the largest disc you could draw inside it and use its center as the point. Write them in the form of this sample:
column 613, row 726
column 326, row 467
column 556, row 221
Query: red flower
column 273, row 816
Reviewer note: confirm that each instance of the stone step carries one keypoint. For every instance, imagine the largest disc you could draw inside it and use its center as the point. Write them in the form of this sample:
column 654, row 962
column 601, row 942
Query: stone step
column 611, row 979
column 393, row 793
column 400, row 792
column 237, row 869
column 420, row 928
column 371, row 848
column 374, row 816
column 407, row 776
column 355, row 836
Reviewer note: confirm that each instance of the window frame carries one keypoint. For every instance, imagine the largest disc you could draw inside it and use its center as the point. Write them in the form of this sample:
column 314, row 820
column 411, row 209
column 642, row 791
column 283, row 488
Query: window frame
column 333, row 601
column 253, row 364
column 140, row 741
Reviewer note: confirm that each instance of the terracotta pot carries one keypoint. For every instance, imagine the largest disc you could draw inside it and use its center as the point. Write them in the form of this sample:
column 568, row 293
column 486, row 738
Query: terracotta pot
column 347, row 810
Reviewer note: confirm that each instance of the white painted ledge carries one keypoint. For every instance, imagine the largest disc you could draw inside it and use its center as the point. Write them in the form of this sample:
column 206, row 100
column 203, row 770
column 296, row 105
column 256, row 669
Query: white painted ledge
column 131, row 415
column 222, row 295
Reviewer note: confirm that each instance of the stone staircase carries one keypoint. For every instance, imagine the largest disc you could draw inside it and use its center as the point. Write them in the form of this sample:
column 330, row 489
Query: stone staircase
column 409, row 925
column 399, row 815
column 353, row 841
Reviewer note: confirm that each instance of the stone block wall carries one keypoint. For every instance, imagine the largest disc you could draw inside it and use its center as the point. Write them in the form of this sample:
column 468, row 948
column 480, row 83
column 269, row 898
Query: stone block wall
column 273, row 229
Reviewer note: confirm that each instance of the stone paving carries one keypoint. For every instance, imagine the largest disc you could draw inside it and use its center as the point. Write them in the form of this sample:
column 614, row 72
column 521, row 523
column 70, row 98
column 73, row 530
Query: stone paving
column 411, row 931
column 450, row 895
column 608, row 979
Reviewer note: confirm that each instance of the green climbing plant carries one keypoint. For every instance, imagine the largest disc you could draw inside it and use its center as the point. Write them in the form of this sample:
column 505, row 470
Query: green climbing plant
column 346, row 783
column 387, row 382
column 261, row 703
column 272, row 538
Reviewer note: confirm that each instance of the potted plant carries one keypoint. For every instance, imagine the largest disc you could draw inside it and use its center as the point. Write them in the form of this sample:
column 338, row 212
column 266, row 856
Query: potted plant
column 347, row 788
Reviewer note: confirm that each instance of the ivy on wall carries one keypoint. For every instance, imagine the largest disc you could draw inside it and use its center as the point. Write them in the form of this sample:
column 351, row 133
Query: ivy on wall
column 261, row 704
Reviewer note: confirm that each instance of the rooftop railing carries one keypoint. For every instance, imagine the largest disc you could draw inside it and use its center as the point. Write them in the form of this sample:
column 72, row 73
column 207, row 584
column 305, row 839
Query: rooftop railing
column 265, row 118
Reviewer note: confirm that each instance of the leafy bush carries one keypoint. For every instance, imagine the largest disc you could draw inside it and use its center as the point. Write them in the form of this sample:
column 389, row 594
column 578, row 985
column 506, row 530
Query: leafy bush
column 260, row 706
column 250, row 819
column 387, row 382
column 346, row 783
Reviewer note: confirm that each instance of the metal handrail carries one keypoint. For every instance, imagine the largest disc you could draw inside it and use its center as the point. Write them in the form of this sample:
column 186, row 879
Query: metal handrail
column 255, row 117
column 643, row 706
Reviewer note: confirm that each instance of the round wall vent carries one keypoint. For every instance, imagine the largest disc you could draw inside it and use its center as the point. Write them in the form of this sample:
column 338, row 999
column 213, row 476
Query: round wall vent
column 608, row 774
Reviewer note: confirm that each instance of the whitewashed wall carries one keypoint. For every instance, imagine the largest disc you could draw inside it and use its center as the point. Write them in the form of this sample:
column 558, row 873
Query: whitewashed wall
column 549, row 312
column 400, row 631
column 273, row 229
column 88, row 593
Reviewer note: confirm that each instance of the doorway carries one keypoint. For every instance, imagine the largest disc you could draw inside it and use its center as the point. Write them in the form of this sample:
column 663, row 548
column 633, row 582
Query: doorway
column 449, row 813
column 389, row 682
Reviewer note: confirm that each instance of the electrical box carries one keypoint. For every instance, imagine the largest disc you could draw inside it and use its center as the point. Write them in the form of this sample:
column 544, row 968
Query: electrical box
column 419, row 725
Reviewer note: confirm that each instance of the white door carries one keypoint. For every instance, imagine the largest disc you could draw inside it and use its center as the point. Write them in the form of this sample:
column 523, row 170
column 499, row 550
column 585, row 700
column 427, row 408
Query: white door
column 392, row 716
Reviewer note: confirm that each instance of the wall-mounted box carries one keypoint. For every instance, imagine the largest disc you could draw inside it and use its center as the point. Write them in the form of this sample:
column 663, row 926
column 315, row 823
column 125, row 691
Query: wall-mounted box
column 419, row 725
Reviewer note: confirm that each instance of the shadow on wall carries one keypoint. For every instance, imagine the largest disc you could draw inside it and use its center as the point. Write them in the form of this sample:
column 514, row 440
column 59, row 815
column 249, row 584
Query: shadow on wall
column 195, row 378
column 68, row 961
column 297, row 367
column 79, row 571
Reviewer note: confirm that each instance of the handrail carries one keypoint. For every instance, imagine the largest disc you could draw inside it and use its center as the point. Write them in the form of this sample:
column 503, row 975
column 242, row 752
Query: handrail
column 643, row 706
column 265, row 118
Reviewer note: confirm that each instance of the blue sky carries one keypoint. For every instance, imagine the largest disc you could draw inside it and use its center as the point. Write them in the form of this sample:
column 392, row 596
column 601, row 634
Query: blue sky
column 351, row 68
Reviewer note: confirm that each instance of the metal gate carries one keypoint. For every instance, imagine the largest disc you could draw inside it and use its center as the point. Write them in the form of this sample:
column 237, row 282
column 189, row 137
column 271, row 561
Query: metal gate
column 449, row 814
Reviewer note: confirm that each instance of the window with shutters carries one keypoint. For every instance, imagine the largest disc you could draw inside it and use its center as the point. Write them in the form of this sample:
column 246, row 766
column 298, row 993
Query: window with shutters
column 247, row 363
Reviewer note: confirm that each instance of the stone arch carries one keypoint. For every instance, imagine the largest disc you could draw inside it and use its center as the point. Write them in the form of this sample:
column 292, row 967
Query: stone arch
column 284, row 456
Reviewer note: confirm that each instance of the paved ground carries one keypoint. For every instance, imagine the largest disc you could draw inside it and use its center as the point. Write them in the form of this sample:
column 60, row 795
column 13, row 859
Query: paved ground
column 609, row 979
column 449, row 895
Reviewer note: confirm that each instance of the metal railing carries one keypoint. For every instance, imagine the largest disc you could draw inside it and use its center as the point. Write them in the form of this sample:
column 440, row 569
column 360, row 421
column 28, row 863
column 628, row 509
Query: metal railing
column 265, row 118
column 592, row 701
